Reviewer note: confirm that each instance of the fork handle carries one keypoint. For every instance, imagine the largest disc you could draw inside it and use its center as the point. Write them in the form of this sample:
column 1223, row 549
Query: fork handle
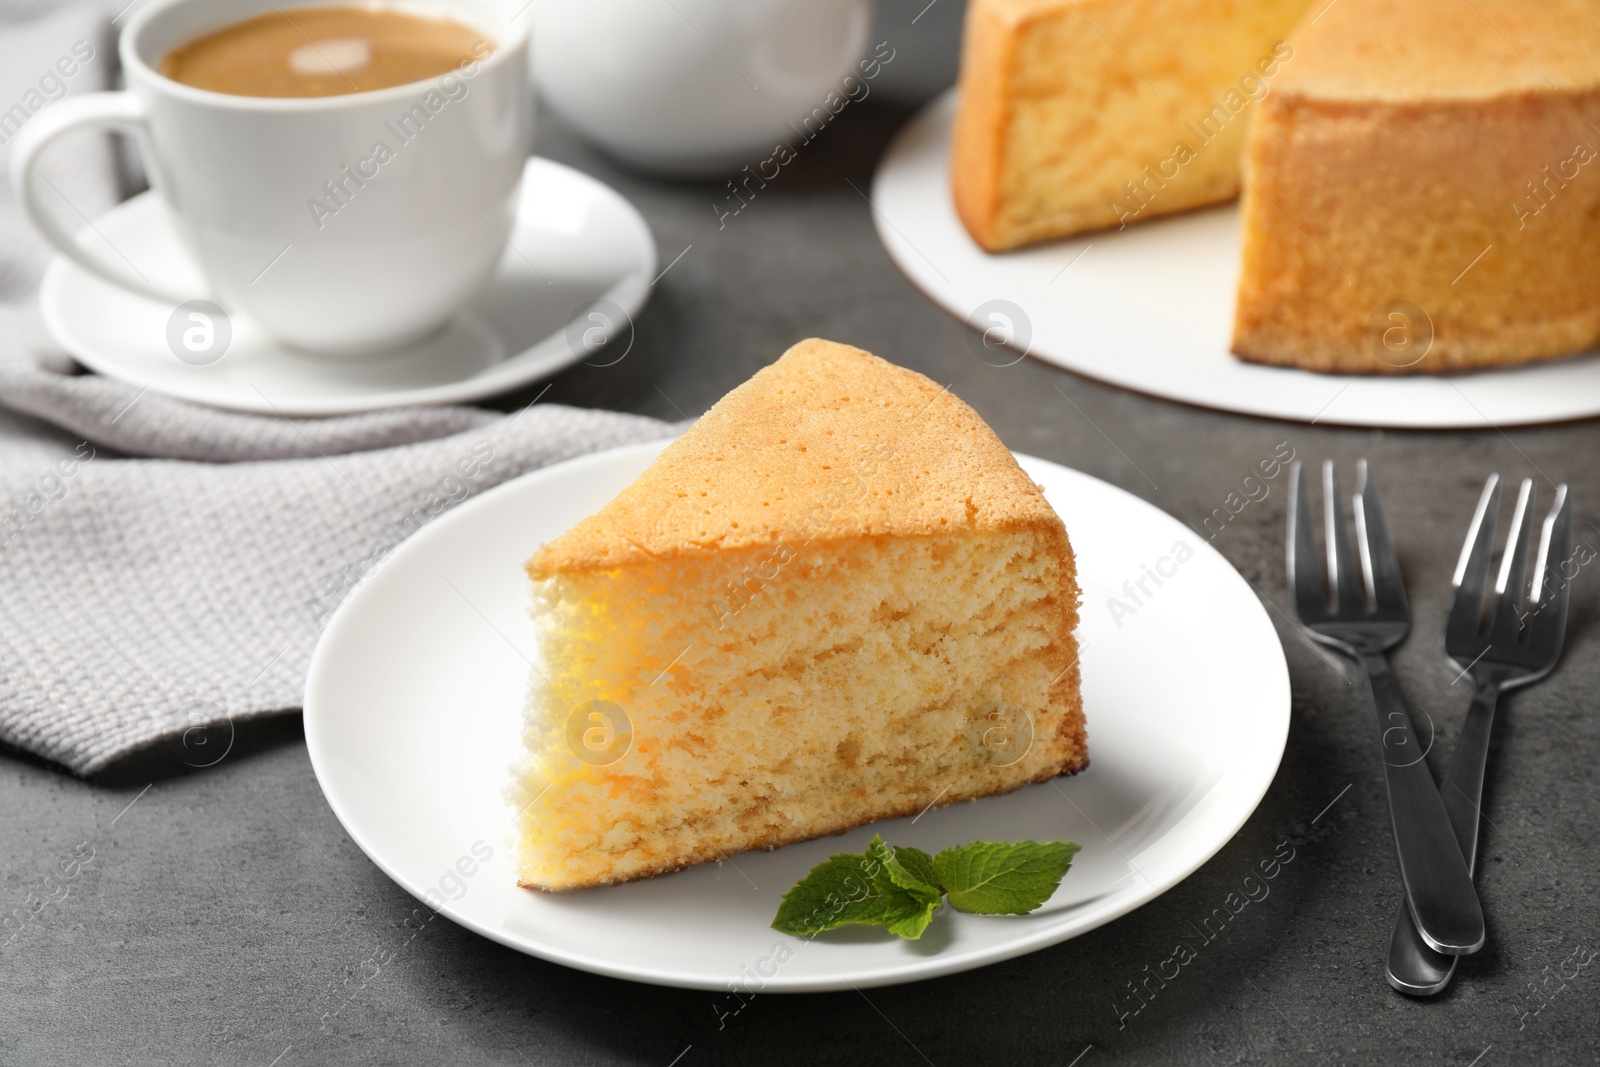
column 1415, row 968
column 1439, row 889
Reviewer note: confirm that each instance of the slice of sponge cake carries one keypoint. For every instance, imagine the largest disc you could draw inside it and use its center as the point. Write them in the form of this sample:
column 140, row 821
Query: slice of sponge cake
column 836, row 598
column 1082, row 114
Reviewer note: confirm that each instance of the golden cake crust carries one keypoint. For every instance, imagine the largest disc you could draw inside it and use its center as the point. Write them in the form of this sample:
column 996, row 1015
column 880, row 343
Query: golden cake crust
column 1432, row 51
column 806, row 450
column 976, row 141
column 1426, row 173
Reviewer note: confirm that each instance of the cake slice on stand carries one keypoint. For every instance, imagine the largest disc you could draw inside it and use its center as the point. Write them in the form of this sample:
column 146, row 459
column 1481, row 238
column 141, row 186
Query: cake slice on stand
column 1085, row 114
column 835, row 599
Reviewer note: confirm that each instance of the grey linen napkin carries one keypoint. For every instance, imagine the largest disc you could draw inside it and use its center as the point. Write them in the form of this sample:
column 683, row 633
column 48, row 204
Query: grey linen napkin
column 165, row 569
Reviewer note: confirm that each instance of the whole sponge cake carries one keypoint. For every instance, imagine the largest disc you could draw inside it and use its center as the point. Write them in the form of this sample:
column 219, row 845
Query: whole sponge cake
column 1423, row 191
column 836, row 598
column 1084, row 114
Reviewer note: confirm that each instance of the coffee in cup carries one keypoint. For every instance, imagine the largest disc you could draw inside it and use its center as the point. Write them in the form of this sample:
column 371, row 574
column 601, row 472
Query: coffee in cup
column 324, row 51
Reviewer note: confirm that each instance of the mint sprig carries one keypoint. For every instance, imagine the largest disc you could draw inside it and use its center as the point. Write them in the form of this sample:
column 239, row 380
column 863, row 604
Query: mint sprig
column 901, row 888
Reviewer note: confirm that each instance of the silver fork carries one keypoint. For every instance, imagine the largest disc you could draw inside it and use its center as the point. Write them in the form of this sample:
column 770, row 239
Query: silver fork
column 1363, row 618
column 1519, row 645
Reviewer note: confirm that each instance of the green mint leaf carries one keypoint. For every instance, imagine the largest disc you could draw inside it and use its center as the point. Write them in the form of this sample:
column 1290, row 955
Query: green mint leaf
column 912, row 868
column 906, row 877
column 847, row 889
column 1003, row 877
column 906, row 912
column 915, row 920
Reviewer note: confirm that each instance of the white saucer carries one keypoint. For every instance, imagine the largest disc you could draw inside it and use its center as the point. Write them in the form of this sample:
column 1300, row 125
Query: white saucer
column 413, row 716
column 576, row 241
column 1150, row 308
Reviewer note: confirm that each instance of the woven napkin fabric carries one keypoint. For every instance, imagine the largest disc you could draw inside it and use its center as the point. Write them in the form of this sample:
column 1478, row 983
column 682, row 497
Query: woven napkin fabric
column 165, row 569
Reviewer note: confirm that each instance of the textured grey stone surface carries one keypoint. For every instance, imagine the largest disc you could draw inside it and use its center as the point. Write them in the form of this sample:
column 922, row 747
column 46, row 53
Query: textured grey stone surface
column 225, row 913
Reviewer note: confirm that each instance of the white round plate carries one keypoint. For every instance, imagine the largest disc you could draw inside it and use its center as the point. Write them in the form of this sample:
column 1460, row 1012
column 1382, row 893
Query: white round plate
column 575, row 241
column 1150, row 308
column 413, row 717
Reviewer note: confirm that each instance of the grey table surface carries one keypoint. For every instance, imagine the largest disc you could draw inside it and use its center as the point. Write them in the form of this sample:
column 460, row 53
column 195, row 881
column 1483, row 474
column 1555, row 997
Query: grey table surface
column 227, row 918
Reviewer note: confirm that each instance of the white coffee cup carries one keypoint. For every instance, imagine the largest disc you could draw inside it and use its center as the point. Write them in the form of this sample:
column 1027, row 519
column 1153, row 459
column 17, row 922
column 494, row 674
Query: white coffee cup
column 292, row 210
column 694, row 87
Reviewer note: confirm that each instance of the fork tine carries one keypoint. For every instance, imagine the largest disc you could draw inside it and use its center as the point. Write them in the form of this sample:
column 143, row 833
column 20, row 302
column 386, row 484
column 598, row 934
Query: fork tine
column 1550, row 590
column 1379, row 568
column 1512, row 583
column 1305, row 575
column 1556, row 539
column 1472, row 569
column 1342, row 581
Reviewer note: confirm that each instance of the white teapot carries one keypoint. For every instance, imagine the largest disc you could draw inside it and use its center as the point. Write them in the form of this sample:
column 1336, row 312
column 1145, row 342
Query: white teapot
column 696, row 87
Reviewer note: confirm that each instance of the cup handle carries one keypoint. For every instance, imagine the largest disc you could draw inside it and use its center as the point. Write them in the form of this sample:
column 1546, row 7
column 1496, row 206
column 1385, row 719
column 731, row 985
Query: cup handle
column 119, row 111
